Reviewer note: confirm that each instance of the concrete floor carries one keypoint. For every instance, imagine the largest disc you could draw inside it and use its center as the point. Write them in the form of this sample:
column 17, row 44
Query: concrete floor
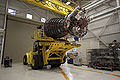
column 65, row 72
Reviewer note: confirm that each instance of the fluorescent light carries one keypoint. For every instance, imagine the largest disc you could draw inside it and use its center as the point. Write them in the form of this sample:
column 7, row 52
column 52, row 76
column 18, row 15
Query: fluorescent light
column 29, row 16
column 68, row 3
column 43, row 20
column 12, row 11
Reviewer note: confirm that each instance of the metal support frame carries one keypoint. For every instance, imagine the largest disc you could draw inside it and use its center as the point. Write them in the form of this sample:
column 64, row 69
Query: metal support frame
column 104, row 28
column 118, row 2
column 98, row 38
column 103, row 35
column 26, row 5
column 58, row 47
column 105, row 12
column 101, row 14
column 102, row 31
column 93, row 2
column 3, row 41
column 54, row 5
column 93, row 5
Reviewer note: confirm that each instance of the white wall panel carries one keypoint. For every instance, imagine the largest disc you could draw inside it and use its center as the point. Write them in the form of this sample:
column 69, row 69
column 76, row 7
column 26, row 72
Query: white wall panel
column 18, row 39
column 112, row 31
column 110, row 38
column 1, row 20
column 87, row 44
column 99, row 23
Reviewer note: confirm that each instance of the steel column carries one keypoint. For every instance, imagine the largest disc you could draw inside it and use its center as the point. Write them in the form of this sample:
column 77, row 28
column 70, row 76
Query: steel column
column 3, row 41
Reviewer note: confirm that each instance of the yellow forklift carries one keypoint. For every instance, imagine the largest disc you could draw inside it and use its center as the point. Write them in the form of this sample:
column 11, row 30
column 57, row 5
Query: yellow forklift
column 50, row 44
column 47, row 50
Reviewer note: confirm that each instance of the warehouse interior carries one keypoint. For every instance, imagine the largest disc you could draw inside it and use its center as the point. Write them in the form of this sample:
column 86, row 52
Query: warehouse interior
column 91, row 50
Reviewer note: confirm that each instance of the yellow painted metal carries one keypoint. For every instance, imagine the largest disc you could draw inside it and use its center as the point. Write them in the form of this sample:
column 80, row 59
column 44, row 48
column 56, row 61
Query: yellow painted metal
column 29, row 55
column 54, row 5
column 24, row 60
column 57, row 47
column 55, row 58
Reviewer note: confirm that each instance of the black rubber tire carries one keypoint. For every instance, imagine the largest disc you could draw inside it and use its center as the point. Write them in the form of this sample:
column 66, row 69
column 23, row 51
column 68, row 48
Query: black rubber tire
column 64, row 59
column 40, row 56
column 41, row 62
column 36, row 63
column 38, row 59
column 58, row 65
column 55, row 65
column 25, row 60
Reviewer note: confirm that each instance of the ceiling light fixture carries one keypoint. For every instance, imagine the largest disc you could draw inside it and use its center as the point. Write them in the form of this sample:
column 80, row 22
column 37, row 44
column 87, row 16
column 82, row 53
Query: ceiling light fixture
column 68, row 3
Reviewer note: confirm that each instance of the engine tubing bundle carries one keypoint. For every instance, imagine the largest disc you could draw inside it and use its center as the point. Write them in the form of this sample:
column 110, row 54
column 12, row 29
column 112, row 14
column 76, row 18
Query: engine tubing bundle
column 55, row 28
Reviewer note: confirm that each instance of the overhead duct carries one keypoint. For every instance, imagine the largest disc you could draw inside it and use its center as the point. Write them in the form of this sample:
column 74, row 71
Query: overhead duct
column 93, row 2
column 105, row 12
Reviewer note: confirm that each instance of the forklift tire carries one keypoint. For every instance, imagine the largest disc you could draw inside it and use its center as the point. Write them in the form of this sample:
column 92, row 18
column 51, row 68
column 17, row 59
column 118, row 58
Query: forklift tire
column 40, row 57
column 25, row 60
column 36, row 62
column 58, row 65
column 55, row 65
column 64, row 59
column 41, row 62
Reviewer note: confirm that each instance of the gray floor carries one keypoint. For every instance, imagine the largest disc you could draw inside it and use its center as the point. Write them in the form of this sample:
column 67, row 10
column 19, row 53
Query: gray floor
column 21, row 72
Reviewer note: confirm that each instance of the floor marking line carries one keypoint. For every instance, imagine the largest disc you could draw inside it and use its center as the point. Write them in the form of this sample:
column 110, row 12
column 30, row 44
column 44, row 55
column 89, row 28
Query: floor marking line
column 95, row 71
column 63, row 73
column 112, row 74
